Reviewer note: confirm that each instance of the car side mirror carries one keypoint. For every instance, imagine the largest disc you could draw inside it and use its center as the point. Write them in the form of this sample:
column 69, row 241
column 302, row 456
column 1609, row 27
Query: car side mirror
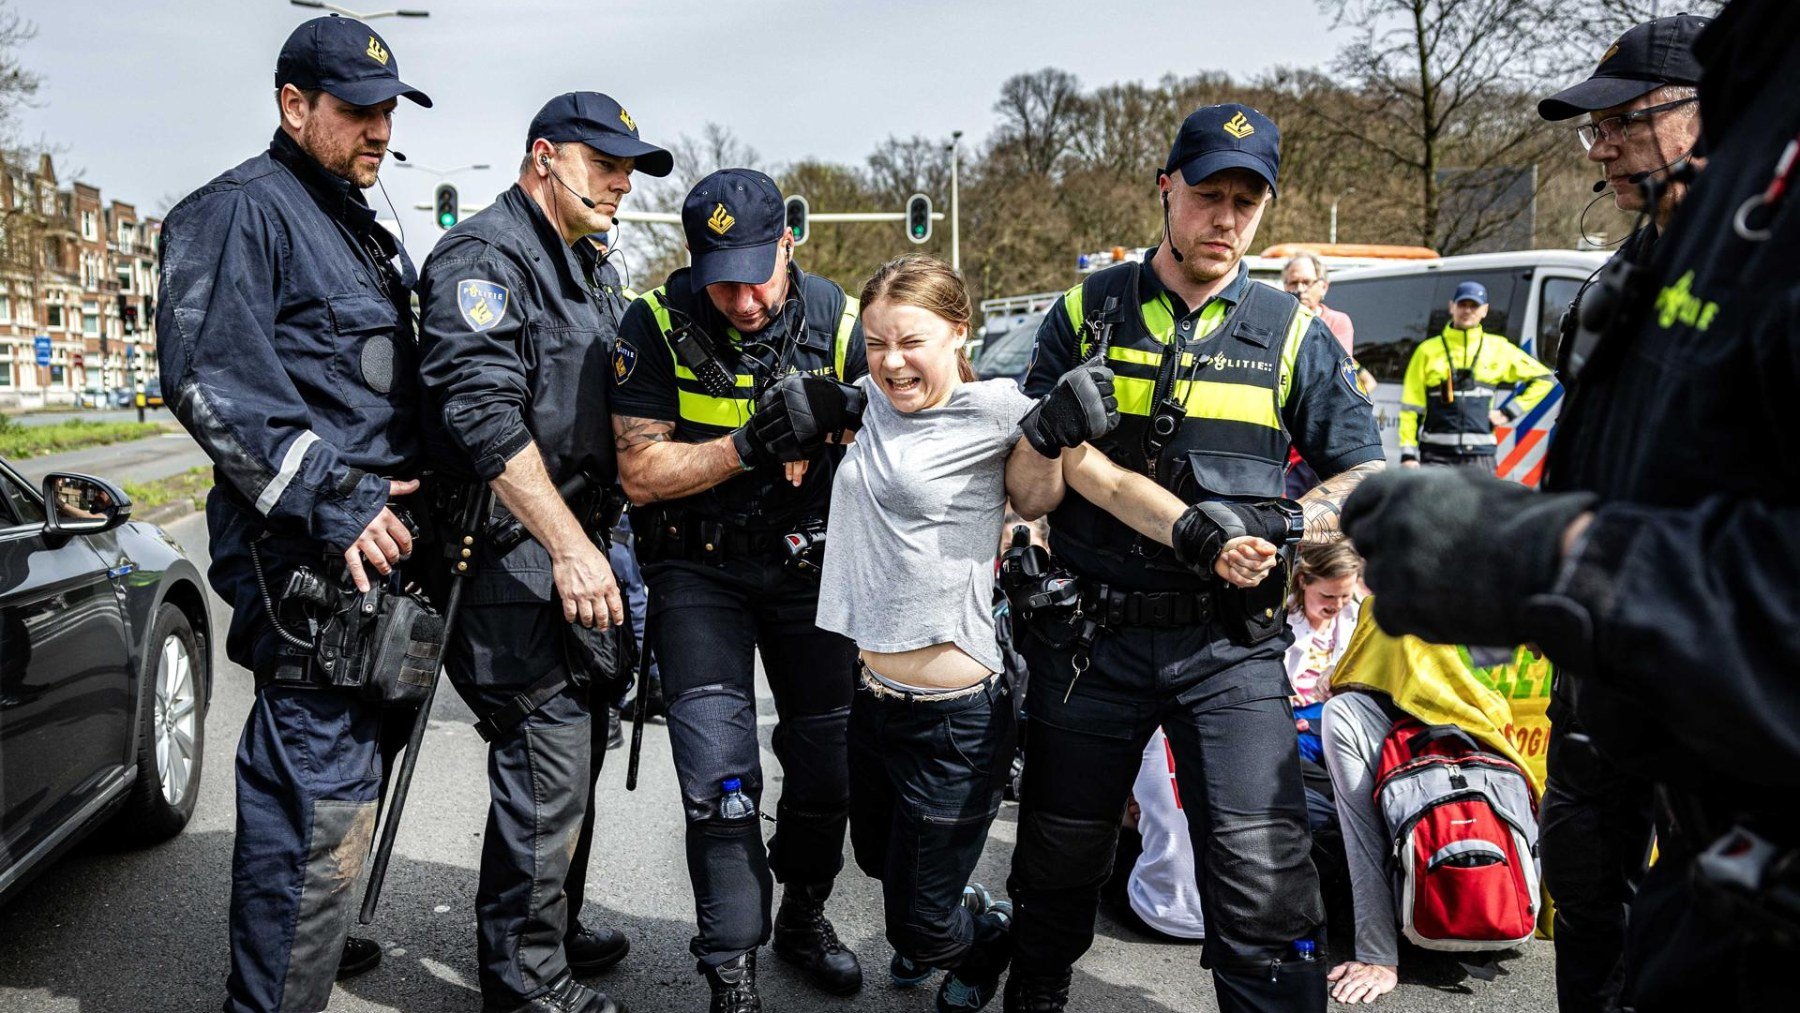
column 83, row 504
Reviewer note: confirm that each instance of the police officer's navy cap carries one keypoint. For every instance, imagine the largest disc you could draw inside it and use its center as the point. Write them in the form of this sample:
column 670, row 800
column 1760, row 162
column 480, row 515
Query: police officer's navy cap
column 1228, row 136
column 346, row 58
column 1644, row 59
column 1471, row 291
column 734, row 220
column 600, row 123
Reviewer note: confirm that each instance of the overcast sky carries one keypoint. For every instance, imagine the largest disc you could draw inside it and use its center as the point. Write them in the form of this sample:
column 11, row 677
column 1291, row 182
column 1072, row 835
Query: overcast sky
column 151, row 98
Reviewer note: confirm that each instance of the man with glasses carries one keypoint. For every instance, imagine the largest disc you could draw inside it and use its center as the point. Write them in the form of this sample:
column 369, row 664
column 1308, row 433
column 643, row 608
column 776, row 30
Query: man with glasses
column 1643, row 115
column 1306, row 279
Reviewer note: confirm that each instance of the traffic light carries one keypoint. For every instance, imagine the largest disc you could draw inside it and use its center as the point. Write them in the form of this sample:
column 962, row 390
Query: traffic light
column 797, row 210
column 447, row 212
column 918, row 218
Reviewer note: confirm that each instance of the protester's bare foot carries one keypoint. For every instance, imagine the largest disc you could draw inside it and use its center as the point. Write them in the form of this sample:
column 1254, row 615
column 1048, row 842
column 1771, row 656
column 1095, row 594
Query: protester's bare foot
column 1359, row 982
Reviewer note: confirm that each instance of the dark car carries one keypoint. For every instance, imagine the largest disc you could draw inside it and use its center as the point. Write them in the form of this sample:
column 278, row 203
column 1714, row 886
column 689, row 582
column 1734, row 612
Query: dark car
column 104, row 673
column 1009, row 354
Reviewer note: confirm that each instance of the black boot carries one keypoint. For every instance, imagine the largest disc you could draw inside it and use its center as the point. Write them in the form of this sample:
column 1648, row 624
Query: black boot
column 565, row 995
column 591, row 951
column 1036, row 993
column 733, row 985
column 359, row 955
column 804, row 937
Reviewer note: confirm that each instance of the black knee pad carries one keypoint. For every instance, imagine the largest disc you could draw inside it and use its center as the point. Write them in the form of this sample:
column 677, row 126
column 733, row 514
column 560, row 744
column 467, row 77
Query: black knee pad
column 1265, row 891
column 1063, row 852
column 815, row 762
column 712, row 734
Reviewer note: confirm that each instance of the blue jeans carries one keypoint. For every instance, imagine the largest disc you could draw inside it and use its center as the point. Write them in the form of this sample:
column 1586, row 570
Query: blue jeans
column 926, row 780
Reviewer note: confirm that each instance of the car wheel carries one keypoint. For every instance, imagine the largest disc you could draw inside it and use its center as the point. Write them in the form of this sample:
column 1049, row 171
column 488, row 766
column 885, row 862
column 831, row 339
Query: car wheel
column 171, row 732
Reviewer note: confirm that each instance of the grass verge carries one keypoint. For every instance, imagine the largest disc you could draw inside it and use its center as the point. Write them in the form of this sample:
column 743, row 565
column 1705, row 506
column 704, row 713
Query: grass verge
column 19, row 442
column 191, row 484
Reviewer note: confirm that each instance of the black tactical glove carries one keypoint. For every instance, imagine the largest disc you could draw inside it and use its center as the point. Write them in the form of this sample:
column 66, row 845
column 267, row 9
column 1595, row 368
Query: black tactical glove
column 1079, row 408
column 795, row 417
column 1201, row 533
column 1454, row 556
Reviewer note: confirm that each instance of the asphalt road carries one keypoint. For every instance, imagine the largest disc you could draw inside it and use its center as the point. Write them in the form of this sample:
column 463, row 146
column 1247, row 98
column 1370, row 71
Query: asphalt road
column 141, row 460
column 146, row 931
column 48, row 418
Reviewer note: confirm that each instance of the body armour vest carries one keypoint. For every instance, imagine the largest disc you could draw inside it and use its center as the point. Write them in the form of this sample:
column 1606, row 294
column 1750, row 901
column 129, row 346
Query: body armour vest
column 1205, row 423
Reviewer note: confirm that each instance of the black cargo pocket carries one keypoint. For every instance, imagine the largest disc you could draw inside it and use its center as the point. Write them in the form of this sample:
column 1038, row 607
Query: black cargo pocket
column 367, row 360
column 1223, row 476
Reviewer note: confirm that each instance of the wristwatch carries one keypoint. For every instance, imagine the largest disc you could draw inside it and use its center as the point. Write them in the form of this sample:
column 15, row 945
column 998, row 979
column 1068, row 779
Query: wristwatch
column 1295, row 517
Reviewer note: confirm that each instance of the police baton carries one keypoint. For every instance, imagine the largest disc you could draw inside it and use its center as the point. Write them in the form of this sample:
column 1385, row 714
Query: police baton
column 460, row 553
column 640, row 705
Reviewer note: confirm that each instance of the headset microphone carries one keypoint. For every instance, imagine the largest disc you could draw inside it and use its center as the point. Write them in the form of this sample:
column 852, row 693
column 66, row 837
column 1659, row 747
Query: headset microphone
column 545, row 162
column 398, row 157
column 1600, row 187
column 1168, row 235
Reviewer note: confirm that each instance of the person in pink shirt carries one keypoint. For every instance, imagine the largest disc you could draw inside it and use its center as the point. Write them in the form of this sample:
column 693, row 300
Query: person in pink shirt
column 1306, row 278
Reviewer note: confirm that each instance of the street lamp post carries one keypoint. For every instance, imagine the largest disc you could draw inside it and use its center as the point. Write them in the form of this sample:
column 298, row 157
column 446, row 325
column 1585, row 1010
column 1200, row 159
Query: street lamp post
column 320, row 5
column 955, row 209
column 1334, row 203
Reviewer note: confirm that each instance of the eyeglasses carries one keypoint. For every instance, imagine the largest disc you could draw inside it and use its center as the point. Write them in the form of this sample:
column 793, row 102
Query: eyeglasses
column 1297, row 286
column 1613, row 128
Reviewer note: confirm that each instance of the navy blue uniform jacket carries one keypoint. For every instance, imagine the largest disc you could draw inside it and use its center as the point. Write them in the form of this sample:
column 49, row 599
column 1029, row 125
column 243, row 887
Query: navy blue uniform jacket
column 287, row 350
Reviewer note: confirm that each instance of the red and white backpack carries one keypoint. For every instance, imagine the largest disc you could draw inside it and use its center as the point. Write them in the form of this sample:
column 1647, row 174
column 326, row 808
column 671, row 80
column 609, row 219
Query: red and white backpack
column 1465, row 838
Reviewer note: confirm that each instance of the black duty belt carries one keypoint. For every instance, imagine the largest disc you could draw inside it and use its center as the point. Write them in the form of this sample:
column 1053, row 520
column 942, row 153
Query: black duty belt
column 700, row 540
column 1113, row 607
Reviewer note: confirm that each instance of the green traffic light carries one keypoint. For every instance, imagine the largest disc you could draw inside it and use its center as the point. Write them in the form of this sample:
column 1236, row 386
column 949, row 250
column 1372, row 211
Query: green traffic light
column 446, row 220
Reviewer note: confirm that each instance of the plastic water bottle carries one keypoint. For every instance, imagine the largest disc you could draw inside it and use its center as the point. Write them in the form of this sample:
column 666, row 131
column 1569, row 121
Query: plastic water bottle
column 1305, row 951
column 733, row 803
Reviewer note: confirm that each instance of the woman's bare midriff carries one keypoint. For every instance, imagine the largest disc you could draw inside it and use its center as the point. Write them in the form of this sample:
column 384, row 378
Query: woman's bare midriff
column 940, row 666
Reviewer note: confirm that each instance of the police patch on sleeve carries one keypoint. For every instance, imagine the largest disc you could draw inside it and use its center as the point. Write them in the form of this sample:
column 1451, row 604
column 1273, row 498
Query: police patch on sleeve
column 483, row 303
column 1347, row 371
column 624, row 361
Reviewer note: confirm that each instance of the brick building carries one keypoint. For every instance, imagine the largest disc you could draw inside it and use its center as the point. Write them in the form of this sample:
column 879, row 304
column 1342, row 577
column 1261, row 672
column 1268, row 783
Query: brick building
column 80, row 271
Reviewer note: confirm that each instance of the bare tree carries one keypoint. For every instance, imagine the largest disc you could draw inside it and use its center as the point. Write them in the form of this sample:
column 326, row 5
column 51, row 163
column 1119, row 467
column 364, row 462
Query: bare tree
column 21, row 215
column 1039, row 117
column 1440, row 85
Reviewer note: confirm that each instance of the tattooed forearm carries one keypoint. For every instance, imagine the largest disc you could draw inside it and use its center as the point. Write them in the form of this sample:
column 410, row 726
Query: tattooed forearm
column 653, row 466
column 1325, row 501
column 631, row 432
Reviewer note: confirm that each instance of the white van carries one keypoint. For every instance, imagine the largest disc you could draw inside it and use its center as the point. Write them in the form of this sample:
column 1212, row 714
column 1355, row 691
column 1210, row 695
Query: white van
column 1396, row 307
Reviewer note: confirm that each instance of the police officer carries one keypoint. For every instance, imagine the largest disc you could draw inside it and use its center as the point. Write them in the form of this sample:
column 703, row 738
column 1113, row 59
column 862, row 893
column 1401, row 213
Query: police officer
column 695, row 358
column 517, row 331
column 1451, row 381
column 1216, row 376
column 1657, row 570
column 1642, row 110
column 287, row 351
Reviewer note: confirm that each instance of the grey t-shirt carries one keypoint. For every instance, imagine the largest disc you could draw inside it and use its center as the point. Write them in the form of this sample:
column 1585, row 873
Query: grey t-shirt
column 916, row 511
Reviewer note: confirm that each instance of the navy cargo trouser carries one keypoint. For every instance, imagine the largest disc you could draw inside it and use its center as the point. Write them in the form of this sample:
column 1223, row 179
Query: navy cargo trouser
column 709, row 621
column 1225, row 710
column 539, row 780
column 308, row 777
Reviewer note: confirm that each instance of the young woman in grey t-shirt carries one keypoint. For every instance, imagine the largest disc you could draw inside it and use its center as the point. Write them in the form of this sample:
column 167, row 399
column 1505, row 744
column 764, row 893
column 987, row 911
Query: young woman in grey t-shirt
column 916, row 511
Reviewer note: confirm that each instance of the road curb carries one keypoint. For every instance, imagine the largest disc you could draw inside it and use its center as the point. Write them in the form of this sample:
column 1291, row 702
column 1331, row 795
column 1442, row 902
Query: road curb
column 168, row 513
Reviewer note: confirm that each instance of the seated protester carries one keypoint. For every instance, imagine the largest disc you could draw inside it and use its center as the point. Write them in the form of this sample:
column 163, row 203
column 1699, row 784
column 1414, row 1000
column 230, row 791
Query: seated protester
column 915, row 510
column 1378, row 680
column 1154, row 887
column 1323, row 601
